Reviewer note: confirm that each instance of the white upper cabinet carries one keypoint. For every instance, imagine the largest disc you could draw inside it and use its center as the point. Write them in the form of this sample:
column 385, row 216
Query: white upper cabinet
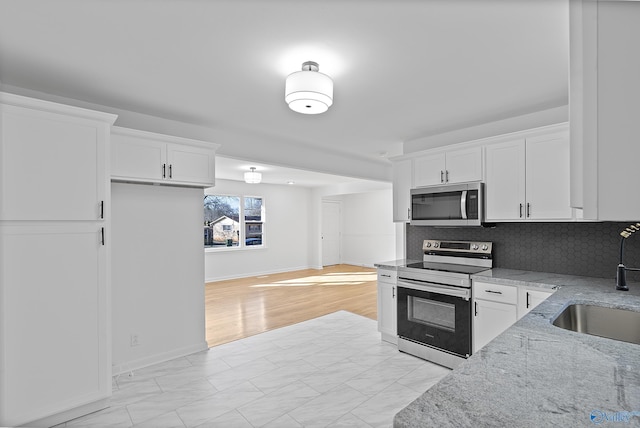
column 140, row 156
column 455, row 166
column 429, row 170
column 402, row 184
column 137, row 158
column 548, row 177
column 528, row 179
column 505, row 182
column 49, row 168
column 191, row 164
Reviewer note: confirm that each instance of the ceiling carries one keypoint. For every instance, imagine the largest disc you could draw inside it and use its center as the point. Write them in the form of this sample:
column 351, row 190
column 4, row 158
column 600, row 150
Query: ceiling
column 234, row 169
column 402, row 69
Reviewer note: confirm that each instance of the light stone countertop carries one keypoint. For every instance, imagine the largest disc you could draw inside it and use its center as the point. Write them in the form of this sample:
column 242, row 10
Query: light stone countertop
column 538, row 375
column 394, row 264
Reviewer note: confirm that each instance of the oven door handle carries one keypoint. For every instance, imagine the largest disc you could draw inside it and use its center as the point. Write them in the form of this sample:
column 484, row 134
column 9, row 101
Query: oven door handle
column 465, row 293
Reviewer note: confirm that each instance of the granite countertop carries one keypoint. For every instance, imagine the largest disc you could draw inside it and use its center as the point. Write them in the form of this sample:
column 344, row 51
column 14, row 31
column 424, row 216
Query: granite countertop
column 535, row 374
column 394, row 264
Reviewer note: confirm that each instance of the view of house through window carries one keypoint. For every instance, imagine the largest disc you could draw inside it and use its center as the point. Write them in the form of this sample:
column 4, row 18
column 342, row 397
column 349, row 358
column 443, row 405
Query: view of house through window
column 233, row 221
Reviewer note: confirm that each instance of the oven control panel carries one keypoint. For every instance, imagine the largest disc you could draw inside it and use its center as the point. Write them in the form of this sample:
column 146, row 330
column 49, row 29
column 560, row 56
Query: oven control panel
column 470, row 247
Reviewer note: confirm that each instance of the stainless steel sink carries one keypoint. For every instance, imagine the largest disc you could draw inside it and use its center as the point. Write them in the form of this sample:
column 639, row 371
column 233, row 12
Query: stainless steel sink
column 617, row 324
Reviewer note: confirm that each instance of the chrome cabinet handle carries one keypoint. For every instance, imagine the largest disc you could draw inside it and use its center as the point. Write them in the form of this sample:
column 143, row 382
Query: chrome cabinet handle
column 170, row 171
column 528, row 209
column 386, row 276
column 408, row 213
column 164, row 170
column 520, row 210
column 393, row 292
column 446, row 175
column 102, row 209
column 528, row 300
column 102, row 235
column 493, row 292
column 475, row 309
column 441, row 176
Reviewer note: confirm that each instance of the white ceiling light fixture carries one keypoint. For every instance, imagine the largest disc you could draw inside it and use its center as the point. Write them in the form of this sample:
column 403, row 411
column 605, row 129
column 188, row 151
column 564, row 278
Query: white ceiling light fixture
column 252, row 177
column 309, row 91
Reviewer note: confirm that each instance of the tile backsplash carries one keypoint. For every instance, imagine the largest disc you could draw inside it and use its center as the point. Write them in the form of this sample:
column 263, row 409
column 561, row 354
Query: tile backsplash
column 580, row 248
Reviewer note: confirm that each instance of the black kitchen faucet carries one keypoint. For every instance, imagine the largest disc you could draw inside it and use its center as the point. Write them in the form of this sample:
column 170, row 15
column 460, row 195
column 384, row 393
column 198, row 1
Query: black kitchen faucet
column 621, row 274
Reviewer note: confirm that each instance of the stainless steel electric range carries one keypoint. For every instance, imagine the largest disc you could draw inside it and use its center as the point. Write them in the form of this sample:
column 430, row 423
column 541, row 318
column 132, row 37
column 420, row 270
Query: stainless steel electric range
column 434, row 300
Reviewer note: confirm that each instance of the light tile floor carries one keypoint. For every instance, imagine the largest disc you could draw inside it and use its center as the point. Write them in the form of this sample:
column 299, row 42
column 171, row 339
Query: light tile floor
column 332, row 371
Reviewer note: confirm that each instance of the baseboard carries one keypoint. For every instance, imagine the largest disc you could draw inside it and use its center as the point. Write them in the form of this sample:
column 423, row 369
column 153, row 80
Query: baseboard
column 250, row 274
column 118, row 369
column 368, row 265
column 69, row 415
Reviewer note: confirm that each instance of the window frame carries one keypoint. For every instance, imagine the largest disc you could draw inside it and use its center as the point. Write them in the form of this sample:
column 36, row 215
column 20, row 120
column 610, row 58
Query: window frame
column 242, row 246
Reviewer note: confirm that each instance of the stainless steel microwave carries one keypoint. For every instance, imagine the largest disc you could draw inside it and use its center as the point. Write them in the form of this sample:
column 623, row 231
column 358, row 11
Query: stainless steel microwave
column 450, row 205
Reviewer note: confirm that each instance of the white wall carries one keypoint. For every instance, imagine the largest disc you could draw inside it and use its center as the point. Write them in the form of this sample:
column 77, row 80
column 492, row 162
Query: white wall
column 546, row 117
column 157, row 274
column 288, row 221
column 368, row 230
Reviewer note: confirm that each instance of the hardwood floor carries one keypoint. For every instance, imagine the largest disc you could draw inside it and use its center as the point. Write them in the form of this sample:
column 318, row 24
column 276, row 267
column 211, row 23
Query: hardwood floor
column 243, row 307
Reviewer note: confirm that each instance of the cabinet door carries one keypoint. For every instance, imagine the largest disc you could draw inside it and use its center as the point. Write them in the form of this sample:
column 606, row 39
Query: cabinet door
column 189, row 164
column 505, row 181
column 135, row 158
column 50, row 166
column 387, row 311
column 402, row 175
column 464, row 165
column 529, row 298
column 54, row 320
column 490, row 320
column 548, row 182
column 429, row 170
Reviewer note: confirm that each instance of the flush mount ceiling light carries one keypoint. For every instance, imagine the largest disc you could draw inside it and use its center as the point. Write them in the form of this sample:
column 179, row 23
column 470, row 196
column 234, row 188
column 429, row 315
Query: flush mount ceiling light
column 252, row 177
column 309, row 91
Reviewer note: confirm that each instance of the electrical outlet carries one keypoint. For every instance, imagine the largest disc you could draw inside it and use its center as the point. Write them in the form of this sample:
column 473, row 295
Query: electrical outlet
column 133, row 340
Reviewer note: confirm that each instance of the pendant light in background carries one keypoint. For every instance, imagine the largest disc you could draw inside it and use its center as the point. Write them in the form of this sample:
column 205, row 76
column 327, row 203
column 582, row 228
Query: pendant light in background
column 309, row 91
column 252, row 177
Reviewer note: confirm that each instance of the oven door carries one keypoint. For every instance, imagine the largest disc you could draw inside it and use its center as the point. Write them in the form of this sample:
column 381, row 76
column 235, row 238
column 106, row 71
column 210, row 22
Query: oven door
column 435, row 315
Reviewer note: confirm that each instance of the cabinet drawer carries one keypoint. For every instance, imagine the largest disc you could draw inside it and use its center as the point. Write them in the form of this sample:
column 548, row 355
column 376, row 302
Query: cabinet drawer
column 495, row 292
column 387, row 275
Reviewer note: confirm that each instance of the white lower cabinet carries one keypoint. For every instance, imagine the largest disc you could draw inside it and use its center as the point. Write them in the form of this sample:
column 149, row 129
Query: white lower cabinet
column 387, row 304
column 495, row 309
column 497, row 306
column 529, row 298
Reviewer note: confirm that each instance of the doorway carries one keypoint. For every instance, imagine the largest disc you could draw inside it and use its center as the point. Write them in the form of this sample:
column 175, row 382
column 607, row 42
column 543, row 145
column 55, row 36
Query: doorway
column 330, row 233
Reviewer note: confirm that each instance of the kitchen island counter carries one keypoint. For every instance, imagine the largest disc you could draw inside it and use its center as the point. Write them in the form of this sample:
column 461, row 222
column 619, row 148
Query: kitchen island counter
column 535, row 374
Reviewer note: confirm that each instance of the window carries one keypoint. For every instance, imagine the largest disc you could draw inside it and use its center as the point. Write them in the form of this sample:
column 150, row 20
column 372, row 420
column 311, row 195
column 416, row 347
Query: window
column 233, row 221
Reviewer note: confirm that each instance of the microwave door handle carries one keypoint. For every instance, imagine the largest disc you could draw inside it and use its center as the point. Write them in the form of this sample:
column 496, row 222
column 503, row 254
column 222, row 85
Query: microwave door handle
column 463, row 204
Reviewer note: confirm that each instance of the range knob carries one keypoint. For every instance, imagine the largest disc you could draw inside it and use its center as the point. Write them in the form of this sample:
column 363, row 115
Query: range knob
column 436, row 245
column 485, row 247
column 428, row 245
column 474, row 247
